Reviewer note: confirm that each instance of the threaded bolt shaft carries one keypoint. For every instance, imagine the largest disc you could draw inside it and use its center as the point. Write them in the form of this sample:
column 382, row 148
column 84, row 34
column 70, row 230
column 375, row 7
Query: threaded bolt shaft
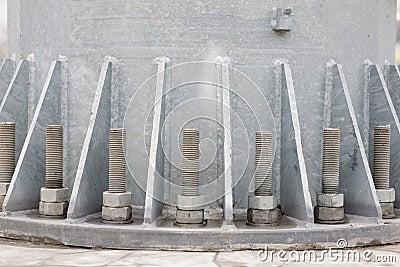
column 381, row 169
column 7, row 151
column 190, row 166
column 54, row 156
column 330, row 161
column 263, row 164
column 117, row 164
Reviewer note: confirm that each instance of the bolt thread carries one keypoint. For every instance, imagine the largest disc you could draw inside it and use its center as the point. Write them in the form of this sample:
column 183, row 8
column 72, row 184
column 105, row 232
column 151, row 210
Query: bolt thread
column 263, row 164
column 7, row 151
column 381, row 169
column 54, row 156
column 330, row 161
column 190, row 165
column 117, row 165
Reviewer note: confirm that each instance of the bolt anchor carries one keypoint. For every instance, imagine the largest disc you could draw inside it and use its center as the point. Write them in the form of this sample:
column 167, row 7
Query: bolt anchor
column 330, row 202
column 262, row 205
column 381, row 171
column 117, row 201
column 190, row 204
column 7, row 157
column 54, row 197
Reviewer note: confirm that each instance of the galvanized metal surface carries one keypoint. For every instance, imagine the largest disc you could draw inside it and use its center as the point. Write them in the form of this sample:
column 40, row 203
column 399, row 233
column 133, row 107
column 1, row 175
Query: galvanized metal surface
column 355, row 175
column 30, row 172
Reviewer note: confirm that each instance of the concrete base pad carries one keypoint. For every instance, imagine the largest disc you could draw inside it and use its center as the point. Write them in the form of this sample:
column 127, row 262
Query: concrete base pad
column 28, row 226
column 387, row 210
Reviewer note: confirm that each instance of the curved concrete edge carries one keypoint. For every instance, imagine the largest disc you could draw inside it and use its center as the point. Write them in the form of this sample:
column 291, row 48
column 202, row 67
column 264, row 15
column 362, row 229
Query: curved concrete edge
column 87, row 234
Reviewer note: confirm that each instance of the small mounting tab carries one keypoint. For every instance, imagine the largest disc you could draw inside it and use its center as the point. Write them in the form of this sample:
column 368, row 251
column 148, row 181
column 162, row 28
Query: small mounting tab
column 282, row 19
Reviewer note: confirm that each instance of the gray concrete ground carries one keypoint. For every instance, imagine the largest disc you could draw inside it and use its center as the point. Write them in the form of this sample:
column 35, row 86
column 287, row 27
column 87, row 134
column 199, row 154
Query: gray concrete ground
column 20, row 253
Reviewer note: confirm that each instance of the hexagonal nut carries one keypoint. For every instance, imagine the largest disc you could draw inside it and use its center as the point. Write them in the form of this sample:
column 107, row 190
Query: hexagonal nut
column 262, row 202
column 330, row 200
column 329, row 214
column 386, row 195
column 4, row 188
column 116, row 214
column 53, row 194
column 255, row 216
column 2, row 201
column 190, row 202
column 387, row 210
column 116, row 200
column 53, row 208
column 189, row 216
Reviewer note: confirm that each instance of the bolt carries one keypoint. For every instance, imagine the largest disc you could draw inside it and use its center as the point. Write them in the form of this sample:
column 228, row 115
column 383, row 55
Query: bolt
column 190, row 166
column 263, row 173
column 287, row 11
column 54, row 156
column 381, row 157
column 7, row 151
column 330, row 161
column 117, row 165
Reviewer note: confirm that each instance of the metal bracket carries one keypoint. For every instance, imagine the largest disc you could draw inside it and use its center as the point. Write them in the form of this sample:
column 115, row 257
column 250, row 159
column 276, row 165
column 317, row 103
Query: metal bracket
column 282, row 19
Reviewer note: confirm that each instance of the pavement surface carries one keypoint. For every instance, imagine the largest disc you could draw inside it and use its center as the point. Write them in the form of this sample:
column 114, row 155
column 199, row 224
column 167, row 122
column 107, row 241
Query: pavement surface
column 21, row 253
